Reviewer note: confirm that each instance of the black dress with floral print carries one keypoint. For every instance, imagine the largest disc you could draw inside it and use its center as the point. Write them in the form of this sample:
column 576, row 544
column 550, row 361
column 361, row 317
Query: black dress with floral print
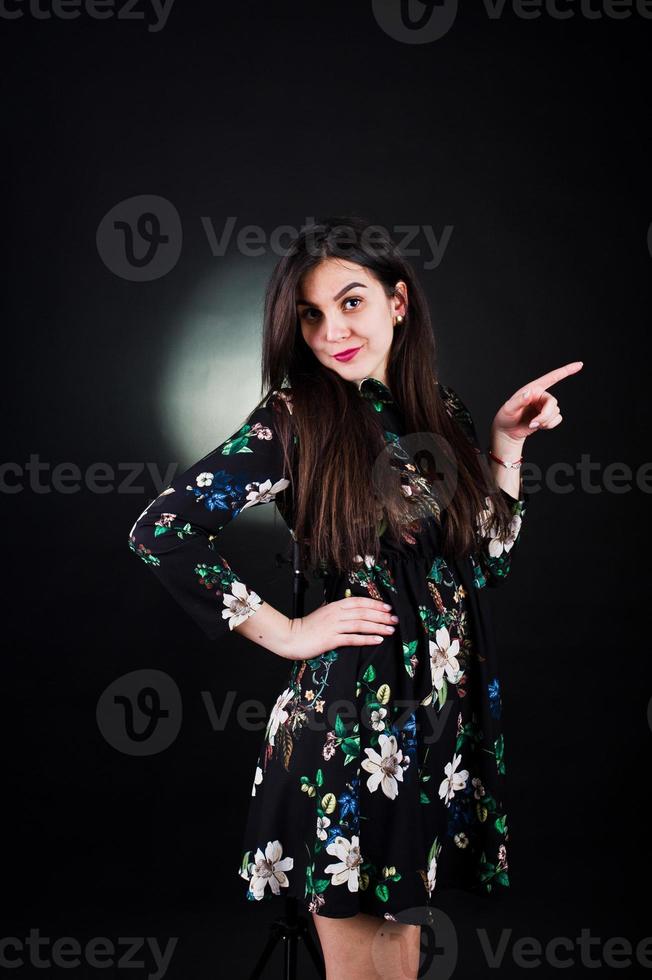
column 380, row 778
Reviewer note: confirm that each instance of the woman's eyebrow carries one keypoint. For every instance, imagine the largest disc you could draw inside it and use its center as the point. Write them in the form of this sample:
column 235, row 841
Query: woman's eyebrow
column 305, row 302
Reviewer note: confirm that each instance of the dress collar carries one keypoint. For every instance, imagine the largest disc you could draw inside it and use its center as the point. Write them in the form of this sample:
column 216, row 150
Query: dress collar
column 375, row 390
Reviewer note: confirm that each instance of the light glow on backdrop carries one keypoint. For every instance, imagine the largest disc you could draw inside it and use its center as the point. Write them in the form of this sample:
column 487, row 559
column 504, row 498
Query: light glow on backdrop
column 211, row 380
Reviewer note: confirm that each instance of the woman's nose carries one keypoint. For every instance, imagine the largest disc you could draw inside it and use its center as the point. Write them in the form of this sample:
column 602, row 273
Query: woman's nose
column 335, row 330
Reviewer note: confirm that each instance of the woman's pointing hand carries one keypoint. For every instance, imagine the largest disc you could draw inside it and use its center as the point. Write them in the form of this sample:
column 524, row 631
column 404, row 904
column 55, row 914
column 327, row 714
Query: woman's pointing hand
column 531, row 407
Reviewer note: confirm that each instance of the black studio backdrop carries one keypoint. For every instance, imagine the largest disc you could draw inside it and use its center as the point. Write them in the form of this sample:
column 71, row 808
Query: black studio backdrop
column 523, row 143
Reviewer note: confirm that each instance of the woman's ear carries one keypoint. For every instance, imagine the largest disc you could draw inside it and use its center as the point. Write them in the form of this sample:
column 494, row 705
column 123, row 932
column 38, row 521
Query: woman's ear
column 400, row 305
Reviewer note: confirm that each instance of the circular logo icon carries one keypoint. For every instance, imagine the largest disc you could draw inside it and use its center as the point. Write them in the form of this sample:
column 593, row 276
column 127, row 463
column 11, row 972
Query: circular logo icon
column 140, row 239
column 415, row 21
column 439, row 944
column 140, row 713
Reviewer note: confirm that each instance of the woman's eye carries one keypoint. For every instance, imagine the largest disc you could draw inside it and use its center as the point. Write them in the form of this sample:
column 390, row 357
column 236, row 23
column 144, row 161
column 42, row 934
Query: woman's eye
column 307, row 314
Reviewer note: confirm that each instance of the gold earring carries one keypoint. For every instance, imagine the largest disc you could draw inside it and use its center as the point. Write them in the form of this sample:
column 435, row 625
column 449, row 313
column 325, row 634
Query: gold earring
column 399, row 319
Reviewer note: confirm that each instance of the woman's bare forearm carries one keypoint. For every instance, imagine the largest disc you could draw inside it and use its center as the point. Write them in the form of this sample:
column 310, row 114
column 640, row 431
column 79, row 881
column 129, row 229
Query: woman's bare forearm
column 510, row 450
column 269, row 628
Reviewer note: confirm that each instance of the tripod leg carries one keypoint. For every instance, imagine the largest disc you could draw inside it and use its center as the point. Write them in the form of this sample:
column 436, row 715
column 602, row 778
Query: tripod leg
column 291, row 943
column 257, row 971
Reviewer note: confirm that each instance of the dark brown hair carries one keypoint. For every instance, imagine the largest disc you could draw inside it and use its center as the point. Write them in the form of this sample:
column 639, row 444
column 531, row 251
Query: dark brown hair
column 333, row 439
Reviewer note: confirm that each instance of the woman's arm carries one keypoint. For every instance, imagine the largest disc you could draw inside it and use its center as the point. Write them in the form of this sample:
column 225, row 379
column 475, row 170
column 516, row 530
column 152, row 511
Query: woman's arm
column 508, row 479
column 493, row 559
column 270, row 628
column 175, row 535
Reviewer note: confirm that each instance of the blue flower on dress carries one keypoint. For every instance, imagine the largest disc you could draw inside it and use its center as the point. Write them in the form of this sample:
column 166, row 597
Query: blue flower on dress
column 407, row 734
column 410, row 734
column 335, row 830
column 494, row 698
column 220, row 492
column 348, row 800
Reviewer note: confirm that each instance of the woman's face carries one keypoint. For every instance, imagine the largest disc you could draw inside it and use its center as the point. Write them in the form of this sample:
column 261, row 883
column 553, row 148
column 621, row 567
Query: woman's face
column 342, row 306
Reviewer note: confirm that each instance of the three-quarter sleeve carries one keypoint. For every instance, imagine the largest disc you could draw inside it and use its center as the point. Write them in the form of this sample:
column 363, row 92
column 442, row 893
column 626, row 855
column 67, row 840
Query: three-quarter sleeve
column 175, row 534
column 493, row 558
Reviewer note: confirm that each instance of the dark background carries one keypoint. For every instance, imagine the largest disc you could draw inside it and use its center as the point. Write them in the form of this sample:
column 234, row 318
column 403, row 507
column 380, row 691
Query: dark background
column 531, row 139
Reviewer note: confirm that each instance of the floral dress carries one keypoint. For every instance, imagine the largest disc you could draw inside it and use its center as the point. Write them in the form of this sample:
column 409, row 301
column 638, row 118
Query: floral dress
column 380, row 778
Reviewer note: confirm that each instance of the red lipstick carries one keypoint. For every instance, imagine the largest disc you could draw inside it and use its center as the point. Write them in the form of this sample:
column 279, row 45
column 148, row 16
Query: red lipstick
column 347, row 355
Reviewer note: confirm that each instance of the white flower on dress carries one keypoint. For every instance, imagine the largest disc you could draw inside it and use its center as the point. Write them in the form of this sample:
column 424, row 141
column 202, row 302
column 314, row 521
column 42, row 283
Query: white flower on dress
column 432, row 874
column 322, row 824
column 443, row 658
column 496, row 545
column 258, row 778
column 377, row 722
column 268, row 868
column 204, row 479
column 385, row 768
column 263, row 493
column 240, row 604
column 347, row 869
column 454, row 781
column 278, row 714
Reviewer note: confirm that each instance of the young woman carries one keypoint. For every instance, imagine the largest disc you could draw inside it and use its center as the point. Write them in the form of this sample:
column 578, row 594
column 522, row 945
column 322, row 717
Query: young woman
column 380, row 779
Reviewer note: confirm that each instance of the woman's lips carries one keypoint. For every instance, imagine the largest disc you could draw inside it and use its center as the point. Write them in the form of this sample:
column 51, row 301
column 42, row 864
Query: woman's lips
column 347, row 355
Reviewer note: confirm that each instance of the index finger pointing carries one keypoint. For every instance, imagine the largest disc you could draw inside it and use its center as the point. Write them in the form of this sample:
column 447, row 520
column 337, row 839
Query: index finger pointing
column 552, row 377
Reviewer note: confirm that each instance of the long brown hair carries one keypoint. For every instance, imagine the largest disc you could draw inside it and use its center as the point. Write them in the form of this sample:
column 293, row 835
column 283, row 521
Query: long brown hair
column 332, row 439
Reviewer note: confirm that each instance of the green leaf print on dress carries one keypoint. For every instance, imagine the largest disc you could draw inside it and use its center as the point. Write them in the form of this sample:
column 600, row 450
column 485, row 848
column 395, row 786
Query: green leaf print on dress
column 337, row 834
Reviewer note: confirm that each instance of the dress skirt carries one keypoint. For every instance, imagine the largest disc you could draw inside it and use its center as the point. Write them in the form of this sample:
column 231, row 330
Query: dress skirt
column 380, row 778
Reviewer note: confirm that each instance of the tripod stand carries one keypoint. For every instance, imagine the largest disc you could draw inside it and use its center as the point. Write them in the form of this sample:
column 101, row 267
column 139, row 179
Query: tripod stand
column 291, row 926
